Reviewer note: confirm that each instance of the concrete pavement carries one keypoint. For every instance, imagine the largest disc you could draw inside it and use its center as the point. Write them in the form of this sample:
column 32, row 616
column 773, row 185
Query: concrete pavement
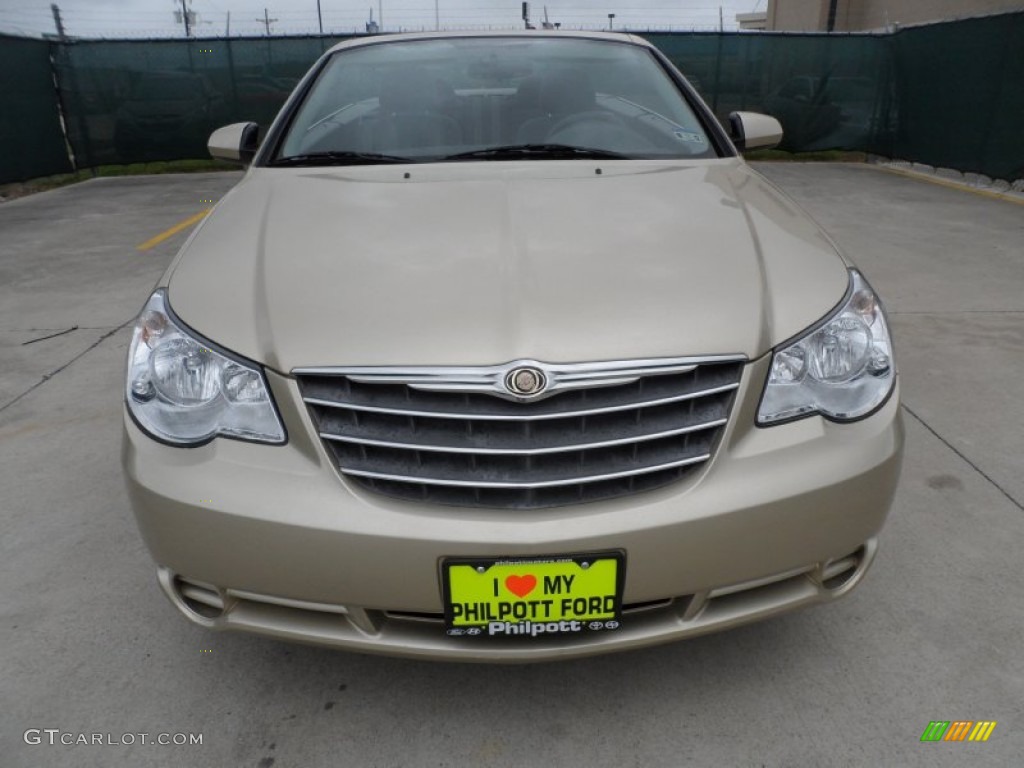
column 88, row 644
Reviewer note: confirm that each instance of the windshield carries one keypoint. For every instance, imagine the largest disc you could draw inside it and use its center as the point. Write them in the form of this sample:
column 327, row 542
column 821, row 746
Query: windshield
column 465, row 98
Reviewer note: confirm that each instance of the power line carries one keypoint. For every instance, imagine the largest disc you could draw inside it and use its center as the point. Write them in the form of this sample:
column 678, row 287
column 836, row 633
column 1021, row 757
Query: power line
column 266, row 21
column 81, row 20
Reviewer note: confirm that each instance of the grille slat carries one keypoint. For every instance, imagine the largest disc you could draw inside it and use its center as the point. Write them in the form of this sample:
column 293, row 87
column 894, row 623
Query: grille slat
column 578, row 480
column 484, row 450
column 467, row 448
column 501, row 410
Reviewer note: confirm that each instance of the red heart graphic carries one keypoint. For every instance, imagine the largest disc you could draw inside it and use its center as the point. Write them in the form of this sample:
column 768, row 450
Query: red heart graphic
column 521, row 586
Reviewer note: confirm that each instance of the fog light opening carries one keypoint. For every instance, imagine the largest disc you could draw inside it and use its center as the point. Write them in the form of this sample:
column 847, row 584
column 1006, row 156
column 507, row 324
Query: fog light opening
column 836, row 574
column 202, row 603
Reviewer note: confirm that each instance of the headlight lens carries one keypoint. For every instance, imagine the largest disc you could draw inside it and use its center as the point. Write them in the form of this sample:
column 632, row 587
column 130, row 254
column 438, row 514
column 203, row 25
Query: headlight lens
column 182, row 391
column 842, row 369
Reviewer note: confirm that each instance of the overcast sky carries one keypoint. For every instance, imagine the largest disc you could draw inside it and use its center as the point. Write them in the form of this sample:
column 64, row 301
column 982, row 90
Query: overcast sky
column 127, row 18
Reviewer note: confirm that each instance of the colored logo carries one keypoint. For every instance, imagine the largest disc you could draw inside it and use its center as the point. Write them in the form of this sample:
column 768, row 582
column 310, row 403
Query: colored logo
column 958, row 730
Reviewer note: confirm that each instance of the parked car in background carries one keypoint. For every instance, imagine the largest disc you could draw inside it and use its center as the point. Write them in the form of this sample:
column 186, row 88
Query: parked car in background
column 501, row 352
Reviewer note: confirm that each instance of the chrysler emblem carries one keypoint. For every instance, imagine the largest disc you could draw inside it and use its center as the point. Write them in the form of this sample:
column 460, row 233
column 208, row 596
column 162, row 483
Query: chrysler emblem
column 525, row 381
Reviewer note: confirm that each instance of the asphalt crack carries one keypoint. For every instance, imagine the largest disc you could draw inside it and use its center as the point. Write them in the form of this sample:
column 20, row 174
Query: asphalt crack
column 970, row 463
column 44, row 330
column 50, row 336
column 47, row 376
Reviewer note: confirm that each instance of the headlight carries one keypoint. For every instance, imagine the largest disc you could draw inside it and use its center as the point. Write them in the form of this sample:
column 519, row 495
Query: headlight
column 182, row 391
column 842, row 369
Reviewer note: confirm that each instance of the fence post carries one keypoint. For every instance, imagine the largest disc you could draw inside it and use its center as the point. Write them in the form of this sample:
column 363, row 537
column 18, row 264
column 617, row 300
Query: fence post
column 61, row 111
column 75, row 109
column 718, row 72
column 231, row 76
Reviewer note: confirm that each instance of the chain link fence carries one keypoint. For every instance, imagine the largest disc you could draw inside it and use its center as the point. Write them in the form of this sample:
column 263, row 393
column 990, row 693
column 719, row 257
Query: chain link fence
column 948, row 95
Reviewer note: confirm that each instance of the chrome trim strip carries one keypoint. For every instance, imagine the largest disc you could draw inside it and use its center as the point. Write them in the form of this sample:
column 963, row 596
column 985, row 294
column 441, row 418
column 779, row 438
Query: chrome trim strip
column 743, row 586
column 304, row 605
column 523, row 417
column 491, row 379
column 525, row 451
column 838, row 567
column 207, row 596
column 544, row 484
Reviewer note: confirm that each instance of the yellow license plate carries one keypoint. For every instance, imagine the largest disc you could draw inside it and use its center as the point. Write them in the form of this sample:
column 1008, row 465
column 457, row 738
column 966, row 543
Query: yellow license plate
column 533, row 597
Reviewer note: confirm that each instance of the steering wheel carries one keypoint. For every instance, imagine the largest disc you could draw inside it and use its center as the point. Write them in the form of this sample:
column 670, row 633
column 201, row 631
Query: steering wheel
column 591, row 116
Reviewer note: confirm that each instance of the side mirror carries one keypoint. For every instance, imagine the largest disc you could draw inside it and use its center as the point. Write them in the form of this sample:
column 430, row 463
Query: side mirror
column 751, row 130
column 236, row 143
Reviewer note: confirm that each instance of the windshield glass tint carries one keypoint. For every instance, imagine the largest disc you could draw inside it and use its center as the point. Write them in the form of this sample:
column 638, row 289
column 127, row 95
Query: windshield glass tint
column 431, row 99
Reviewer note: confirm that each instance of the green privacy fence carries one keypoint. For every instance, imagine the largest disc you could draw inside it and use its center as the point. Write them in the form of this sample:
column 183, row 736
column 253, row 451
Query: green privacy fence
column 828, row 91
column 961, row 95
column 31, row 141
column 133, row 101
column 950, row 95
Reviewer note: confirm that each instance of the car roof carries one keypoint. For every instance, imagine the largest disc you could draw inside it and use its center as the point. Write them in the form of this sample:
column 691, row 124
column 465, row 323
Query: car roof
column 364, row 40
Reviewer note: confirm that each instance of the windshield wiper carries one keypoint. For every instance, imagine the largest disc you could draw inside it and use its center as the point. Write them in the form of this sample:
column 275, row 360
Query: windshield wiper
column 538, row 152
column 339, row 158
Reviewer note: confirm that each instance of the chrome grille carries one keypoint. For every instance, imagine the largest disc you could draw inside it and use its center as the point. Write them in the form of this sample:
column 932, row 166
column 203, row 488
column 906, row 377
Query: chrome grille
column 453, row 436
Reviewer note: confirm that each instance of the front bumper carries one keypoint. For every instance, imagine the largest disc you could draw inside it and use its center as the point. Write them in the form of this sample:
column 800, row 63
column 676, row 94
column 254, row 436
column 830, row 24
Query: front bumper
column 271, row 539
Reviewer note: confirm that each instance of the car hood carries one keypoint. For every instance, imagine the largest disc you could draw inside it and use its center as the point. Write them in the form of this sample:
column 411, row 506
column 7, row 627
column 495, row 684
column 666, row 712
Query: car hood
column 487, row 262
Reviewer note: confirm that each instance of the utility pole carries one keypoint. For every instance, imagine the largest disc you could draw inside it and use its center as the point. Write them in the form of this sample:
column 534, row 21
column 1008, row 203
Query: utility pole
column 267, row 21
column 831, row 24
column 319, row 17
column 380, row 14
column 72, row 92
column 437, row 16
column 184, row 16
column 58, row 22
column 227, row 27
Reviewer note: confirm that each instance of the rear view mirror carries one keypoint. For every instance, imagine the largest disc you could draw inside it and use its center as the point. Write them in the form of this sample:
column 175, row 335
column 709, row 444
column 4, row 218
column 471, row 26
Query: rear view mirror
column 236, row 143
column 750, row 130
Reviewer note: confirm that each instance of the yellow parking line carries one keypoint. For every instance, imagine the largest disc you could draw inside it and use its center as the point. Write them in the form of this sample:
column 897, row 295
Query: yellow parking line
column 154, row 241
column 951, row 184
